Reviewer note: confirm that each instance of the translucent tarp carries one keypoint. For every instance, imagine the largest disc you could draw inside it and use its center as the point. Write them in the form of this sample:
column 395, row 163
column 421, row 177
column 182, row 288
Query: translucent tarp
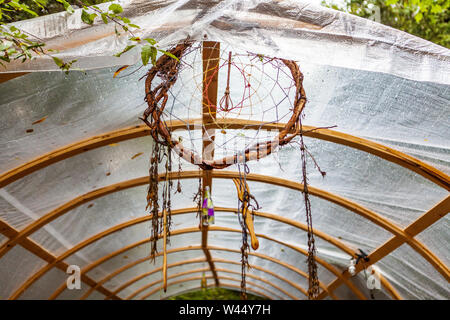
column 367, row 79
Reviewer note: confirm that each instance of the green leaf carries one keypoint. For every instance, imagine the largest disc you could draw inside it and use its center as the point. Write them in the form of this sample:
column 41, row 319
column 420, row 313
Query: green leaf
column 105, row 18
column 11, row 51
column 41, row 3
column 390, row 2
column 436, row 9
column 88, row 18
column 5, row 58
column 134, row 25
column 168, row 54
column 85, row 17
column 418, row 17
column 154, row 52
column 5, row 45
column 58, row 62
column 127, row 48
column 116, row 8
column 67, row 6
column 30, row 11
column 35, row 45
column 151, row 41
column 145, row 54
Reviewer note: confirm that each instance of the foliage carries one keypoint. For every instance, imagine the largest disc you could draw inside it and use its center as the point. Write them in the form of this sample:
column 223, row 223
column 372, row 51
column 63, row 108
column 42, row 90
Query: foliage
column 214, row 294
column 428, row 19
column 18, row 44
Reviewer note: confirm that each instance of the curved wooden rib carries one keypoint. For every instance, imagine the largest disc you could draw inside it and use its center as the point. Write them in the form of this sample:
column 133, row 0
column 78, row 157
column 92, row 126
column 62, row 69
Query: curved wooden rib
column 130, row 223
column 227, row 175
column 325, row 264
column 352, row 206
column 139, row 277
column 427, row 219
column 49, row 266
column 181, row 211
column 204, row 270
column 227, row 278
column 11, row 75
column 197, row 260
column 377, row 149
column 211, row 277
column 143, row 275
column 45, row 255
column 56, row 213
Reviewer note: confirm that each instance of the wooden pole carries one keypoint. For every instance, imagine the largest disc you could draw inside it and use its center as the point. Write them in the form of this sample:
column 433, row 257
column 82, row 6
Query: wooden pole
column 211, row 58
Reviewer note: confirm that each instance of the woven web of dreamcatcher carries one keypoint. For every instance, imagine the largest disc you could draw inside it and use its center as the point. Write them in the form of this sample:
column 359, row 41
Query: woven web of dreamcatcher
column 260, row 89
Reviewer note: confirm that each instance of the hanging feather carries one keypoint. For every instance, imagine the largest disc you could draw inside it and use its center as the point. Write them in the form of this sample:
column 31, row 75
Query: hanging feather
column 208, row 208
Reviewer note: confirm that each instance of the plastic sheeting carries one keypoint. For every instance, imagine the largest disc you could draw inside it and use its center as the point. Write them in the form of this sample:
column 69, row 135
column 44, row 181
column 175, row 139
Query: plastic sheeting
column 368, row 80
column 275, row 28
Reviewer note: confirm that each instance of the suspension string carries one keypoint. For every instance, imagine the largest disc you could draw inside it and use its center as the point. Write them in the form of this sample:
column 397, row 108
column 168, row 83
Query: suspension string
column 179, row 176
column 226, row 98
column 152, row 199
column 168, row 196
column 198, row 198
column 244, row 247
column 313, row 281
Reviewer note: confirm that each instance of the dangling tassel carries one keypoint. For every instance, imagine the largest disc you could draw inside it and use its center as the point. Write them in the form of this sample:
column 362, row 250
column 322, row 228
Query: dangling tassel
column 245, row 248
column 152, row 199
column 313, row 289
column 198, row 199
column 203, row 284
column 179, row 176
column 167, row 194
column 208, row 209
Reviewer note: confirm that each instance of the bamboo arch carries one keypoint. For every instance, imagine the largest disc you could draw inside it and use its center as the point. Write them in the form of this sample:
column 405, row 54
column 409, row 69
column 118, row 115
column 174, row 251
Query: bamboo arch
column 212, row 277
column 49, row 266
column 281, row 219
column 352, row 206
column 145, row 296
column 392, row 155
column 184, row 262
column 400, row 236
column 226, row 285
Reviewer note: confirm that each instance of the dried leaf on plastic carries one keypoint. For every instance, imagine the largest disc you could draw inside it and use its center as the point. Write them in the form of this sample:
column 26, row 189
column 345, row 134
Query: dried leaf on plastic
column 120, row 70
column 40, row 120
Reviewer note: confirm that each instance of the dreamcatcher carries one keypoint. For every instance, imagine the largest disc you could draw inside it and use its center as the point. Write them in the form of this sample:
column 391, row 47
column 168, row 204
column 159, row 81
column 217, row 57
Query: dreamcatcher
column 185, row 84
